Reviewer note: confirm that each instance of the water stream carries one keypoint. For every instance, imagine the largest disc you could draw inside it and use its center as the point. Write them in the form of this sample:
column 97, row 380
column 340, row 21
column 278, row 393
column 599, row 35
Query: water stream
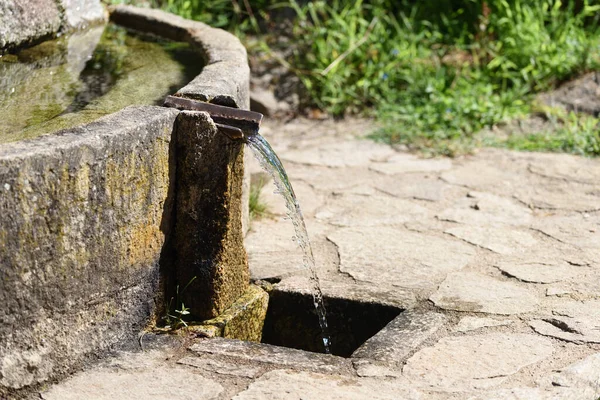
column 271, row 163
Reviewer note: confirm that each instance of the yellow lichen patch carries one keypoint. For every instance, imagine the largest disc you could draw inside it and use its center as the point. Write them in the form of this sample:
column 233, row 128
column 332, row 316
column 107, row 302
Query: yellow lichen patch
column 144, row 242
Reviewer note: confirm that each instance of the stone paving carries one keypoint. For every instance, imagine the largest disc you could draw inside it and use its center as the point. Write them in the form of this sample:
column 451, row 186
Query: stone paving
column 497, row 253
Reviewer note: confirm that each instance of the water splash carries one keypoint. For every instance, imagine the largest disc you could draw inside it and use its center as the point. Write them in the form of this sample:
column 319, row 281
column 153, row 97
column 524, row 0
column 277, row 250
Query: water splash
column 270, row 162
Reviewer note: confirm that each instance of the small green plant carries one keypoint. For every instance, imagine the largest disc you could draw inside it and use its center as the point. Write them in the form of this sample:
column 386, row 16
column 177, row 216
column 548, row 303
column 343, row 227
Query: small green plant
column 177, row 318
column 257, row 207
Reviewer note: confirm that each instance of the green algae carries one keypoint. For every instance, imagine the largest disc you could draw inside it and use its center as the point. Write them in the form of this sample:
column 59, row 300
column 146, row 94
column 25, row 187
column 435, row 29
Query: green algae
column 76, row 79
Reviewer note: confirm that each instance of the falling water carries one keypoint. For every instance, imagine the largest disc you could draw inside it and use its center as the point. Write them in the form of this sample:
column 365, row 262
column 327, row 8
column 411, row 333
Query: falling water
column 271, row 163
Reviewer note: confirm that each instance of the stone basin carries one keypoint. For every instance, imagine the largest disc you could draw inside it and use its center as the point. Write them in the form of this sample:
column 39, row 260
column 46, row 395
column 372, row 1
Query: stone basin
column 96, row 218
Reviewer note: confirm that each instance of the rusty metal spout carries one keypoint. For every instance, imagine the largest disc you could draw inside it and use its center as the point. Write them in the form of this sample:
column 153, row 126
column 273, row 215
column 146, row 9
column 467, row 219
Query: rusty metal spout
column 235, row 123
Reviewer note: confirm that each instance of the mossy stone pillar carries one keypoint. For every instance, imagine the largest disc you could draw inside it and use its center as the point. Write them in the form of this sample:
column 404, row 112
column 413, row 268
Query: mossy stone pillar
column 211, row 260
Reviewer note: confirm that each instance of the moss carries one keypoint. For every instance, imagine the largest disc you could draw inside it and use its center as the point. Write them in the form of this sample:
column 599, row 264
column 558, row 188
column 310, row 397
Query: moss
column 244, row 320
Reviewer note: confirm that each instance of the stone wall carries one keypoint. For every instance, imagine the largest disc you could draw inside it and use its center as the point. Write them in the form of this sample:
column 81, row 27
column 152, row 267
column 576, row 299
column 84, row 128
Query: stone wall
column 23, row 22
column 88, row 219
column 84, row 219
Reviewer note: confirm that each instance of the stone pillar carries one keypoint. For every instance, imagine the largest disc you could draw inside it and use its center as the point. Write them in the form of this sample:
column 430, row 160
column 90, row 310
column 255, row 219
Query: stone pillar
column 211, row 260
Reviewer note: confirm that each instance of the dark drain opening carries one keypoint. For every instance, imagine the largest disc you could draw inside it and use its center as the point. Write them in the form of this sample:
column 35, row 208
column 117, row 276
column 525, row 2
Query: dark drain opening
column 292, row 322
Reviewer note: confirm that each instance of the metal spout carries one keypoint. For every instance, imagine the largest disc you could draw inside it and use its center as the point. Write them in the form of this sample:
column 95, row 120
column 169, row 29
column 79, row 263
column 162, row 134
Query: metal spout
column 234, row 123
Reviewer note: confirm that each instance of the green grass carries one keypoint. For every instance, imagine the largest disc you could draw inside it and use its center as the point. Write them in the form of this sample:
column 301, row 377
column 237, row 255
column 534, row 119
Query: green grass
column 567, row 132
column 433, row 72
column 436, row 73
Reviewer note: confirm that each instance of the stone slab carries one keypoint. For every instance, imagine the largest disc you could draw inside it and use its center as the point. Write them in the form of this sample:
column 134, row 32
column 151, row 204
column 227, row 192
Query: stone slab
column 89, row 212
column 485, row 209
column 582, row 231
column 568, row 196
column 565, row 167
column 26, row 21
column 540, row 272
column 572, row 321
column 399, row 338
column 414, row 186
column 582, row 374
column 292, row 385
column 397, row 257
column 273, row 252
column 497, row 239
column 371, row 210
column 131, row 376
column 468, row 291
column 475, row 362
column 405, row 163
column 528, row 393
column 223, row 367
column 281, row 357
column 467, row 324
column 340, row 154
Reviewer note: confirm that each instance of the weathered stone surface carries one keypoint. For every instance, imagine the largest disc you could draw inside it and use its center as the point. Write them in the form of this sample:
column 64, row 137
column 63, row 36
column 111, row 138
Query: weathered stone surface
column 497, row 239
column 291, row 385
column 578, row 230
column 393, row 256
column 350, row 180
column 340, row 154
column 81, row 13
column 473, row 362
column 540, row 271
column 468, row 291
column 373, row 210
column 528, row 393
column 581, row 374
column 158, row 382
column 281, row 357
column 490, row 176
column 566, row 167
column 568, row 196
column 399, row 338
column 467, row 324
column 211, row 258
column 89, row 211
column 24, row 21
column 274, row 253
column 484, row 209
column 572, row 321
column 222, row 367
column 308, row 198
column 404, row 162
column 245, row 318
column 414, row 186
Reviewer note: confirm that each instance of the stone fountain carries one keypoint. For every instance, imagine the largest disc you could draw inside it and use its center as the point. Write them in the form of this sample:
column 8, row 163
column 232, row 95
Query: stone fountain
column 101, row 223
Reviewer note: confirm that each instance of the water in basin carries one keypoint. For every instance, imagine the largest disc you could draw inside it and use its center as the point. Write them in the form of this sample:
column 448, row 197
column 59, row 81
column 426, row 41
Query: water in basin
column 78, row 78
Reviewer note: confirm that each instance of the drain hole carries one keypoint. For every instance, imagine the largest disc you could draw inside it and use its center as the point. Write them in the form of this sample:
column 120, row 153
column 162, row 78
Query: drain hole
column 292, row 322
